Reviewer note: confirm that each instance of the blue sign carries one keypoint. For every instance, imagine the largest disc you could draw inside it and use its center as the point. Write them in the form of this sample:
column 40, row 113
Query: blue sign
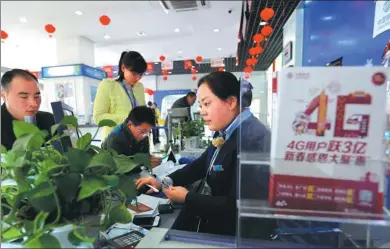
column 342, row 28
column 72, row 70
column 93, row 73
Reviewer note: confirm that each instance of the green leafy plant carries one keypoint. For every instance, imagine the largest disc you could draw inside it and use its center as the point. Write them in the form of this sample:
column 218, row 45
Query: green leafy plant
column 193, row 128
column 49, row 189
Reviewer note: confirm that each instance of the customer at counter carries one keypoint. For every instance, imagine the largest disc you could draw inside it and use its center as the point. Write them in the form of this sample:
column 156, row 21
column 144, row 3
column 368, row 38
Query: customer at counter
column 22, row 99
column 213, row 208
column 130, row 137
column 116, row 97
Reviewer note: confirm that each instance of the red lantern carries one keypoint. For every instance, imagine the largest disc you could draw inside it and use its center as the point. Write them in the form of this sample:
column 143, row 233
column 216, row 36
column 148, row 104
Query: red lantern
column 194, row 71
column 267, row 30
column 50, row 29
column 199, row 59
column 4, row 35
column 267, row 13
column 252, row 51
column 257, row 38
column 104, row 20
column 258, row 50
column 194, row 78
column 220, row 69
column 162, row 58
column 248, row 70
column 149, row 91
column 165, row 78
column 251, row 62
column 165, row 72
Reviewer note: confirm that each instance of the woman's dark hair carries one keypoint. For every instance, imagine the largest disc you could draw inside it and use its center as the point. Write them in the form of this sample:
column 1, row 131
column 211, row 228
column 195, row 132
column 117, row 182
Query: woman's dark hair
column 225, row 85
column 133, row 61
column 155, row 104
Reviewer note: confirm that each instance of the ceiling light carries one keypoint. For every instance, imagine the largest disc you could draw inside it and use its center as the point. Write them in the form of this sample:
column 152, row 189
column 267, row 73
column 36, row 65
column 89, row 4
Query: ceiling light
column 263, row 23
column 23, row 19
column 78, row 12
column 156, row 63
column 219, row 49
column 327, row 18
column 107, row 37
column 170, row 72
column 179, row 51
column 177, row 30
column 146, row 73
column 141, row 33
column 216, row 30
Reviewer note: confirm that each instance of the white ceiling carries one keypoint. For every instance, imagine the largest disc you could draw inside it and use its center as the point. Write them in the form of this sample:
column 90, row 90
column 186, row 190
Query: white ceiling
column 28, row 45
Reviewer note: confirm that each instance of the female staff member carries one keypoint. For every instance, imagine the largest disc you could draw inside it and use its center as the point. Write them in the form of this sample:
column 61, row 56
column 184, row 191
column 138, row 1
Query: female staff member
column 116, row 97
column 213, row 208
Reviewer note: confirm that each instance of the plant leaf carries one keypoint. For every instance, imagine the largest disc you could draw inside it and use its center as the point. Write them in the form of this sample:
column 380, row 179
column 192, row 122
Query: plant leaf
column 90, row 185
column 120, row 214
column 143, row 159
column 127, row 186
column 84, row 141
column 112, row 180
column 39, row 221
column 12, row 159
column 42, row 198
column 78, row 160
column 54, row 129
column 107, row 122
column 70, row 120
column 43, row 241
column 68, row 185
column 3, row 149
column 21, row 128
column 96, row 148
column 31, row 141
column 124, row 164
column 12, row 234
column 21, row 180
column 102, row 159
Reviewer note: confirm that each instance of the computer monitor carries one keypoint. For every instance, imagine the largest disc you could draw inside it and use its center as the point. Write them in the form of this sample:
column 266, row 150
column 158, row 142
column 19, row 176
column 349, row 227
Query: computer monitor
column 60, row 110
column 179, row 112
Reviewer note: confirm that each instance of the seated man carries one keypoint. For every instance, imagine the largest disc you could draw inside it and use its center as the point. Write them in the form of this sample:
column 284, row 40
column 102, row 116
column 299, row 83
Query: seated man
column 130, row 137
column 22, row 98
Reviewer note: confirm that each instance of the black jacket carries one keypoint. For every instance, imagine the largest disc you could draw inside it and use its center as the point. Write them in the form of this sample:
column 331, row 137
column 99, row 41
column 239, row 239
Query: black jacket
column 45, row 121
column 219, row 210
column 122, row 141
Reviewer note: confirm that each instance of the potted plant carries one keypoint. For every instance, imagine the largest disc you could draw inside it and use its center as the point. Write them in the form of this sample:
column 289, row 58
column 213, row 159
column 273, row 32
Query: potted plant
column 48, row 189
column 192, row 132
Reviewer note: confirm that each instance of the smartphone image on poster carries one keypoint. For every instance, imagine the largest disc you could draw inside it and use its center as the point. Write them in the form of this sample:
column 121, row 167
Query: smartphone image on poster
column 147, row 222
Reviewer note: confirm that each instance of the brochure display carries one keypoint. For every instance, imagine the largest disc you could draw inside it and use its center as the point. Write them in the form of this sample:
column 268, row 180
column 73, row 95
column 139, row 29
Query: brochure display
column 327, row 160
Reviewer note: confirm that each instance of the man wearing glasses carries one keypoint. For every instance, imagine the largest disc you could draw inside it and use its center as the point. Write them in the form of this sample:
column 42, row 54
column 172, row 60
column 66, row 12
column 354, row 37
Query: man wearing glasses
column 130, row 137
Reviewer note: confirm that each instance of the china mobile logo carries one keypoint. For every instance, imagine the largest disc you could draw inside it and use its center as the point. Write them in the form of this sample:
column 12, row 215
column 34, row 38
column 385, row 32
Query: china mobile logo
column 298, row 75
column 302, row 122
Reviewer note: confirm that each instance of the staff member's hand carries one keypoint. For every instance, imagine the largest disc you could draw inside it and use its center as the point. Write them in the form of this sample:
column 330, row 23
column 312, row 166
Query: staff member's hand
column 176, row 194
column 154, row 161
column 148, row 180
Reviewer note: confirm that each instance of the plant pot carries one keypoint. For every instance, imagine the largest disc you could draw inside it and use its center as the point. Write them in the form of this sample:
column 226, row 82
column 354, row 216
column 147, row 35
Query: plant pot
column 192, row 142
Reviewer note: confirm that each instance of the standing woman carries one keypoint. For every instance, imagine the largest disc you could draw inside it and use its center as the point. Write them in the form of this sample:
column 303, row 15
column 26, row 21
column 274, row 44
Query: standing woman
column 116, row 97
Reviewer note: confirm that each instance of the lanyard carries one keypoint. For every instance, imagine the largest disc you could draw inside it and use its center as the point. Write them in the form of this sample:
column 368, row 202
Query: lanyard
column 229, row 131
column 132, row 99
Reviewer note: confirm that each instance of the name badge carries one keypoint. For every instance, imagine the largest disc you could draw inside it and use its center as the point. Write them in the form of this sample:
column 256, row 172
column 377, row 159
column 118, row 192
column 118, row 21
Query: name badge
column 218, row 168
